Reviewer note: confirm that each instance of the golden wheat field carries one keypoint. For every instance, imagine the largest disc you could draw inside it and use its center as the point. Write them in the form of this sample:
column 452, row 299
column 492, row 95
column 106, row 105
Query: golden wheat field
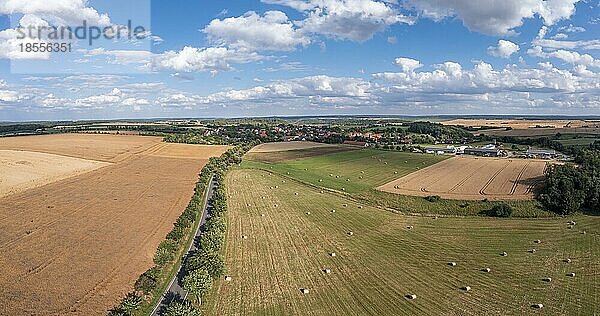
column 76, row 244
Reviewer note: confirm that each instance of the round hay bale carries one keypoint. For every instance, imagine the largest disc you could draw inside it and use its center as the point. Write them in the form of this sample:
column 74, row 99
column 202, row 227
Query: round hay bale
column 537, row 241
column 344, row 205
column 547, row 279
column 331, row 174
column 276, row 205
column 276, row 187
column 262, row 215
column 248, row 205
column 327, row 271
column 360, row 207
column 504, row 254
column 228, row 278
column 322, row 191
column 532, row 251
column 305, row 291
column 405, row 161
column 572, row 223
column 385, row 162
column 337, row 177
column 343, row 189
column 307, row 213
column 409, row 227
column 466, row 288
column 360, row 177
column 347, row 180
column 572, row 274
column 583, row 232
column 320, row 180
column 296, row 193
column 362, row 172
column 350, row 233
column 452, row 264
column 538, row 306
column 570, row 227
column 282, row 181
column 568, row 260
column 411, row 296
column 332, row 211
column 487, row 270
column 332, row 254
column 395, row 172
column 244, row 237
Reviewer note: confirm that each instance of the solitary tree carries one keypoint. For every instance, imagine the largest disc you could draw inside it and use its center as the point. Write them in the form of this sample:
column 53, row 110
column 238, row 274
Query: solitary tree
column 197, row 283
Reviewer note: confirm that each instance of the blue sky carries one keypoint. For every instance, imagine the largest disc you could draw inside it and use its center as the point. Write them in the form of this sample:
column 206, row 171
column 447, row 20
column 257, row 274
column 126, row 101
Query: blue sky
column 307, row 57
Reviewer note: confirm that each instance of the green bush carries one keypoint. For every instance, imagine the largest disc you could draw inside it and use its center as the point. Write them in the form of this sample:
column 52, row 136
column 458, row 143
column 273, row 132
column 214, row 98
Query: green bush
column 165, row 252
column 146, row 283
column 501, row 210
column 433, row 198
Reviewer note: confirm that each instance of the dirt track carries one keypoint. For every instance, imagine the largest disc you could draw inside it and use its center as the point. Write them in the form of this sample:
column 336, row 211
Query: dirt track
column 469, row 178
column 77, row 245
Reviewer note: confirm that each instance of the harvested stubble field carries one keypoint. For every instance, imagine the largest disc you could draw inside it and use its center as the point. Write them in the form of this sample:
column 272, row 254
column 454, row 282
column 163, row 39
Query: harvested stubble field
column 351, row 171
column 289, row 248
column 523, row 124
column 284, row 146
column 22, row 170
column 77, row 245
column 473, row 178
column 358, row 173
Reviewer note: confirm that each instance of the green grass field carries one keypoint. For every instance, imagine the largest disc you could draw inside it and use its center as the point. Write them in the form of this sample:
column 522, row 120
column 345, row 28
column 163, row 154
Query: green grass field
column 353, row 171
column 357, row 174
column 288, row 248
column 578, row 142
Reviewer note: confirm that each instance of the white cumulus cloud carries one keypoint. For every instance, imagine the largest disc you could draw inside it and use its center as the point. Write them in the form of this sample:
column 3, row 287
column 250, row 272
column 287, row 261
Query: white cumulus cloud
column 271, row 32
column 504, row 49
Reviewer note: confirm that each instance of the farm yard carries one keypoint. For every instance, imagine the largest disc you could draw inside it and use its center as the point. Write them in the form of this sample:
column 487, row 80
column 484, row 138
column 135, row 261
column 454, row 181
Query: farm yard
column 292, row 249
column 469, row 178
column 77, row 243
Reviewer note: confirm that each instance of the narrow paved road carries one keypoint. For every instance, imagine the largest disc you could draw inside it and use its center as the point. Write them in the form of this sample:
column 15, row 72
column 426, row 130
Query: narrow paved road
column 175, row 290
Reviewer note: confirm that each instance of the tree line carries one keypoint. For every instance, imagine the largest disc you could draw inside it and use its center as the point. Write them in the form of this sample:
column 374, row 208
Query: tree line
column 203, row 266
column 574, row 187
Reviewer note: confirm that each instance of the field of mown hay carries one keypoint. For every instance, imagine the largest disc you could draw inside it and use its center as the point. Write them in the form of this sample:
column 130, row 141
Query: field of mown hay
column 77, row 245
column 351, row 171
column 473, row 178
column 284, row 146
column 289, row 248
